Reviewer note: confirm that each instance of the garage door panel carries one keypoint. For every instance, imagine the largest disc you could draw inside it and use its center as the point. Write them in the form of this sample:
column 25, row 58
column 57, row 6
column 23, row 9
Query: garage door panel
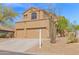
column 33, row 34
column 20, row 33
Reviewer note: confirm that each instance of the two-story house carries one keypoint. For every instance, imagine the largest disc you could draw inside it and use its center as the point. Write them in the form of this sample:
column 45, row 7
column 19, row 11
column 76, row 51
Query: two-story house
column 35, row 20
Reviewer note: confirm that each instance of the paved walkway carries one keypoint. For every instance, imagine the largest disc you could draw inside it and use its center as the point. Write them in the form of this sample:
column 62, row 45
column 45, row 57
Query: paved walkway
column 18, row 45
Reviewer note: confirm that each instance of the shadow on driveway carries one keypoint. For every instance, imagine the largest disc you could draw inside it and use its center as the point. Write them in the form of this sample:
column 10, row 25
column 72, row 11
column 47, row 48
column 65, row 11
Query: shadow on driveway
column 2, row 52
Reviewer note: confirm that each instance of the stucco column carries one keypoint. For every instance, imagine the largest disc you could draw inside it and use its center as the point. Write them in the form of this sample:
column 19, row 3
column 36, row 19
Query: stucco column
column 24, row 29
column 15, row 33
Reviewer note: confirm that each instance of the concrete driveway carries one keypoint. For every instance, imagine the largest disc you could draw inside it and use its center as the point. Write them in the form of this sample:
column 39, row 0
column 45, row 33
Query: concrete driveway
column 3, row 52
column 18, row 45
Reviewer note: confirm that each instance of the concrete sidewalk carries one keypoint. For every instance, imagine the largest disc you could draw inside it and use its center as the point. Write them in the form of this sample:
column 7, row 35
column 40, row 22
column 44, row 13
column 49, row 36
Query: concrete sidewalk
column 18, row 45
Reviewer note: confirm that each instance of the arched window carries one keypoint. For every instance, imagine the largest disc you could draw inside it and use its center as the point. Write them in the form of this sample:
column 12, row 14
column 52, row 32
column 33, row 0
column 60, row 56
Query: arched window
column 34, row 15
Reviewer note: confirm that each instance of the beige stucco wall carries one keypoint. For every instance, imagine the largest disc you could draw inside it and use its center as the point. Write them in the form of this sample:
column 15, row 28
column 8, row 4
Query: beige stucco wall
column 32, row 29
column 40, row 15
column 34, row 33
column 20, row 25
column 29, row 28
column 34, row 24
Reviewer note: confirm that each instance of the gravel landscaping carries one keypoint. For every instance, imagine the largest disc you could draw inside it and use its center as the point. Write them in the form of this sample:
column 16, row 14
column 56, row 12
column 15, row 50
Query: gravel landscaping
column 58, row 48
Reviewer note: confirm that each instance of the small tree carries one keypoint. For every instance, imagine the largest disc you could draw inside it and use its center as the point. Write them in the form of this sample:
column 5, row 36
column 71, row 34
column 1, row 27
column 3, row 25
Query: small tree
column 77, row 27
column 51, row 9
column 62, row 24
column 7, row 16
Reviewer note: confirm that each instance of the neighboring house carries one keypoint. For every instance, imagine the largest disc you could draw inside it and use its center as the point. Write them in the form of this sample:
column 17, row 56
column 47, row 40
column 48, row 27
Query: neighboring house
column 6, row 32
column 34, row 20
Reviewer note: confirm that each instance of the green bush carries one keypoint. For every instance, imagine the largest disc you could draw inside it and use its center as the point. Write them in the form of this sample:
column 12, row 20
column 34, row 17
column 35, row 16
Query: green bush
column 72, row 38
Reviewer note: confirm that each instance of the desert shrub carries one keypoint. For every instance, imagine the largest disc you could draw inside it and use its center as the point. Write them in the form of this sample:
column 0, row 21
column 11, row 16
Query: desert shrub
column 3, row 35
column 71, row 38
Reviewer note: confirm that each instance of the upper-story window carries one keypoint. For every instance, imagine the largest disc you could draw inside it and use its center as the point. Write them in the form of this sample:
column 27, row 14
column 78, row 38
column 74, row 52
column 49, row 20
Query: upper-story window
column 25, row 16
column 34, row 15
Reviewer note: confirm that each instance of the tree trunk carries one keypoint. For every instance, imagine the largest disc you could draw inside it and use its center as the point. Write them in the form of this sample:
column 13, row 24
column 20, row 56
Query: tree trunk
column 52, row 32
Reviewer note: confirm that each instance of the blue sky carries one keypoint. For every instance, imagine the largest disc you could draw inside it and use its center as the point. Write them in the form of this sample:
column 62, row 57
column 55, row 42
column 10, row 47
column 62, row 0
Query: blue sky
column 69, row 10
